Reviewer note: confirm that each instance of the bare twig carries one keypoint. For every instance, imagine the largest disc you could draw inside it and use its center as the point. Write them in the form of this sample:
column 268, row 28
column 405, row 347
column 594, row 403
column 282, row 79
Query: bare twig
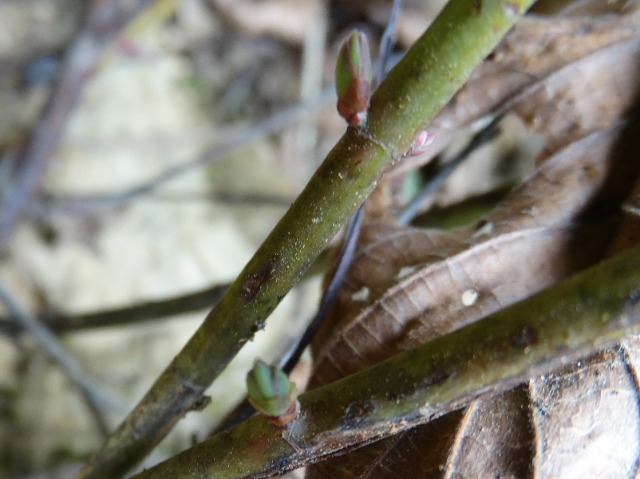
column 289, row 360
column 388, row 40
column 64, row 204
column 313, row 53
column 102, row 25
column 97, row 400
column 144, row 311
column 147, row 311
column 230, row 198
column 85, row 204
column 52, row 205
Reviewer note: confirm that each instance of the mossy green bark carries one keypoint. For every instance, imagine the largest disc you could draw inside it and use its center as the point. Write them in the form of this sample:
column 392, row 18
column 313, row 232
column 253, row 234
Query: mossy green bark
column 413, row 92
column 555, row 327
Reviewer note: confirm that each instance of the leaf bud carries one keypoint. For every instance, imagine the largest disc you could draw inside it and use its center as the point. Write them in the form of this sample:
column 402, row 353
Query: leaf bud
column 272, row 394
column 353, row 78
column 421, row 143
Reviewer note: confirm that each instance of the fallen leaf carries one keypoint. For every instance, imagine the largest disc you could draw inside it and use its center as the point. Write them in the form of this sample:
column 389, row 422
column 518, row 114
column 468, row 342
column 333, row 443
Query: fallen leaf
column 549, row 70
column 586, row 419
column 579, row 99
column 407, row 285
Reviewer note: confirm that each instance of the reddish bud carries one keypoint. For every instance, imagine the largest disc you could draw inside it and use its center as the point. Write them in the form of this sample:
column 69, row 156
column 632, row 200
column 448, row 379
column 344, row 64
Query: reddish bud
column 421, row 143
column 353, row 78
column 272, row 394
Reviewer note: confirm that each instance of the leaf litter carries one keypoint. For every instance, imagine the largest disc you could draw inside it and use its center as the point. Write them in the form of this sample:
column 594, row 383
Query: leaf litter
column 574, row 81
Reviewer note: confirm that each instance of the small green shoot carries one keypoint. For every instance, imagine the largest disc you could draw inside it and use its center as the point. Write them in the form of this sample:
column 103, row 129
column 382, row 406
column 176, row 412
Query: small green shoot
column 353, row 78
column 272, row 394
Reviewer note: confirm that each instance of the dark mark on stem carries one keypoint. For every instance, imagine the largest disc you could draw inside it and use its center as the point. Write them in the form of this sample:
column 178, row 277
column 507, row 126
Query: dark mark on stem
column 254, row 281
column 258, row 326
column 524, row 337
column 358, row 410
column 434, row 379
column 631, row 310
column 201, row 403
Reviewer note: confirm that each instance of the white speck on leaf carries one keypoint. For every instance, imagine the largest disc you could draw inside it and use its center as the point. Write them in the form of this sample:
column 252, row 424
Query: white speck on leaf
column 406, row 271
column 361, row 295
column 469, row 297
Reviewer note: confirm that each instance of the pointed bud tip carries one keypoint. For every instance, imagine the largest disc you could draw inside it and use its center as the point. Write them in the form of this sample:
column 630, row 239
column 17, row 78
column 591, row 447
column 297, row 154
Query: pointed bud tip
column 353, row 77
column 421, row 143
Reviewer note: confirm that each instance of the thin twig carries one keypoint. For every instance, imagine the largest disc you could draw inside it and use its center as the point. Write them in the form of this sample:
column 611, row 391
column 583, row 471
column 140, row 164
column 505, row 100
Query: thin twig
column 86, row 204
column 230, row 198
column 289, row 360
column 136, row 313
column 52, row 205
column 97, row 400
column 101, row 27
column 388, row 40
column 145, row 311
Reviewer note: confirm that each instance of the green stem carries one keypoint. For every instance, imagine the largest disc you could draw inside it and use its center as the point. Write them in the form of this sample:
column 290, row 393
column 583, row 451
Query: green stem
column 414, row 91
column 593, row 310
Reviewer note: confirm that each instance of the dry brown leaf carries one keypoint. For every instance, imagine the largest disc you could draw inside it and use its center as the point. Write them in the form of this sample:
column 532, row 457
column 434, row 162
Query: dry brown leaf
column 579, row 98
column 629, row 233
column 550, row 71
column 453, row 279
column 407, row 286
column 591, row 7
column 536, row 48
column 588, row 417
column 381, row 459
column 493, row 439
